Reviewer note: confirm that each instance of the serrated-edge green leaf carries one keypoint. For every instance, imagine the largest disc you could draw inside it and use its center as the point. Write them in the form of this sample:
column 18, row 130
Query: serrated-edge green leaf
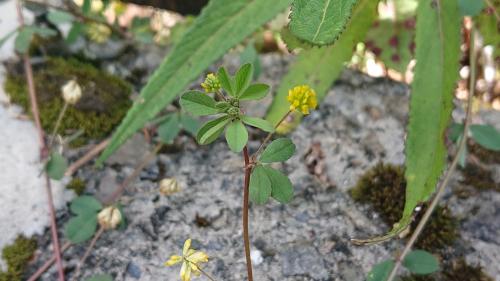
column 243, row 77
column 221, row 25
column 260, row 186
column 278, row 151
column 255, row 92
column 436, row 72
column 421, row 262
column 85, row 204
column 258, row 123
column 320, row 22
column 198, row 103
column 81, row 228
column 281, row 186
column 320, row 67
column 211, row 130
column 236, row 136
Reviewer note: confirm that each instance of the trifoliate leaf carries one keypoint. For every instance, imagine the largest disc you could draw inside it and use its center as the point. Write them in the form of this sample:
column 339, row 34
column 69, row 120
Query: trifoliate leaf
column 236, row 136
column 198, row 103
column 278, row 151
column 421, row 262
column 260, row 185
column 258, row 123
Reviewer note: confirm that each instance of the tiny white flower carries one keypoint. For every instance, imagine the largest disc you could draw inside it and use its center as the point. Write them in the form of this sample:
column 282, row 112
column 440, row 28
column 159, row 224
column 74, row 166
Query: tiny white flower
column 71, row 92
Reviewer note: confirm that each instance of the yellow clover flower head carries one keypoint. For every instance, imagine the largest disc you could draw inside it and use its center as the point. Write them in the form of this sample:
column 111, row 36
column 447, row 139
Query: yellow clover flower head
column 211, row 84
column 302, row 98
column 190, row 261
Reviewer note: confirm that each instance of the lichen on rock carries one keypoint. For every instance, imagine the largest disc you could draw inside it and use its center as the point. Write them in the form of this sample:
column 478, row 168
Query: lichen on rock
column 104, row 101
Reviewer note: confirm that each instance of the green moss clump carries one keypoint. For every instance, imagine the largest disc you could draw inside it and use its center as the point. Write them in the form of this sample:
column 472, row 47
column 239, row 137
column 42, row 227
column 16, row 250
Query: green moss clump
column 384, row 188
column 457, row 271
column 17, row 257
column 77, row 185
column 105, row 98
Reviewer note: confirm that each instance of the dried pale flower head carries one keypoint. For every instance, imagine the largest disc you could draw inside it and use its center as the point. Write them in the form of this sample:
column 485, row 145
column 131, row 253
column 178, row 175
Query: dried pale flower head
column 302, row 98
column 190, row 261
column 169, row 186
column 109, row 217
column 211, row 84
column 71, row 92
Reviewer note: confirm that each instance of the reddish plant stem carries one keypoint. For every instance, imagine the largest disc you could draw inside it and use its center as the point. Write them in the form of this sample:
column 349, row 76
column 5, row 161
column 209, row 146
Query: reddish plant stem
column 48, row 263
column 87, row 253
column 87, row 157
column 43, row 148
column 246, row 190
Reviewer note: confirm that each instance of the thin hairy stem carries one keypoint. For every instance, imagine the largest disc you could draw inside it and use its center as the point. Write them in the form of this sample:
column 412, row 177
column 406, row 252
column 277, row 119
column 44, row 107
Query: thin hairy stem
column 48, row 263
column 58, row 123
column 87, row 253
column 43, row 149
column 205, row 273
column 246, row 191
column 444, row 183
column 87, row 157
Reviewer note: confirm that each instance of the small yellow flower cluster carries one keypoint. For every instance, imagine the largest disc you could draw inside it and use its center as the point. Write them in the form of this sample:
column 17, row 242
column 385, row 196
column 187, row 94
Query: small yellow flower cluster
column 302, row 98
column 211, row 84
column 190, row 261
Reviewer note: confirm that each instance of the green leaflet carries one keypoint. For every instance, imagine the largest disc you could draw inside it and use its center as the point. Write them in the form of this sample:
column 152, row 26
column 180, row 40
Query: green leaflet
column 236, row 136
column 56, row 166
column 221, row 25
column 421, row 262
column 320, row 22
column 437, row 54
column 319, row 67
column 380, row 271
column 260, row 186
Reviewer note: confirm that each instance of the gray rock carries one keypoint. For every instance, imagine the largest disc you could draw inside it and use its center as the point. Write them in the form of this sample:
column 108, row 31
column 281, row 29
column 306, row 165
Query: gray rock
column 303, row 260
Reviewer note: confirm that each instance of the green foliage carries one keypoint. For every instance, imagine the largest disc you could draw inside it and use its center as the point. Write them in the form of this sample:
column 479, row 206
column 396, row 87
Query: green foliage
column 105, row 98
column 221, row 25
column 83, row 226
column 487, row 136
column 255, row 92
column 489, row 28
column 198, row 104
column 25, row 35
column 319, row 67
column 437, row 53
column 260, row 185
column 17, row 257
column 470, row 7
column 169, row 129
column 236, row 136
column 77, row 185
column 381, row 271
column 392, row 42
column 242, row 79
column 141, row 28
column 100, row 277
column 56, row 166
column 262, row 124
column 320, row 22
column 209, row 132
column 250, row 55
column 281, row 186
column 421, row 262
column 279, row 150
column 59, row 17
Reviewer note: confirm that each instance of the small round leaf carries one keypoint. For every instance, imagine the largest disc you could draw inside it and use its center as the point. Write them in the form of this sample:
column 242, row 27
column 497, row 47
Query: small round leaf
column 381, row 271
column 421, row 262
column 56, row 166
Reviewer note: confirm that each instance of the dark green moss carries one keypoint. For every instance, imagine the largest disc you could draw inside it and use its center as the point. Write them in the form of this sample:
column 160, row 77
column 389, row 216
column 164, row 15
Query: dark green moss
column 475, row 173
column 77, row 185
column 457, row 271
column 17, row 257
column 383, row 187
column 104, row 101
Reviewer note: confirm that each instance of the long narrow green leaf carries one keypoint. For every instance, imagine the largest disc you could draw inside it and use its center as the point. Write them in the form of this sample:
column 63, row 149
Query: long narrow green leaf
column 320, row 67
column 320, row 22
column 437, row 54
column 221, row 25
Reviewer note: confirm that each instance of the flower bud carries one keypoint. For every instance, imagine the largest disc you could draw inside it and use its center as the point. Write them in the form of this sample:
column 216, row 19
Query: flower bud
column 109, row 217
column 71, row 92
column 211, row 84
column 169, row 186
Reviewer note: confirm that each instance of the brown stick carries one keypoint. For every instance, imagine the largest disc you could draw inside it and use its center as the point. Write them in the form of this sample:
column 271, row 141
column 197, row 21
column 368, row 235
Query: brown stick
column 48, row 263
column 43, row 148
column 246, row 190
column 87, row 157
